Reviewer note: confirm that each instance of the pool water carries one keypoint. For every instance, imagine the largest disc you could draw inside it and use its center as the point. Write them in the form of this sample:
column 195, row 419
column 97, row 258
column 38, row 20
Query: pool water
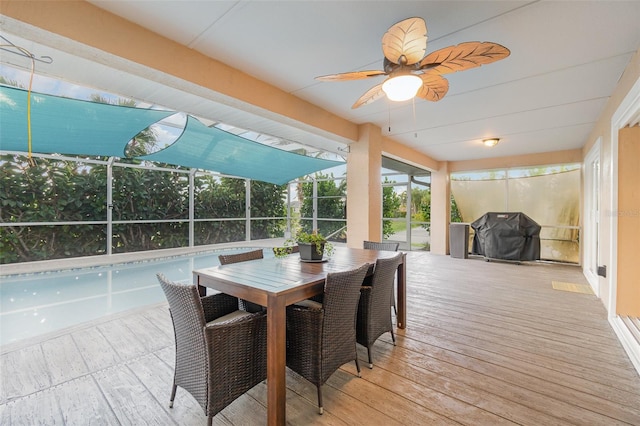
column 34, row 304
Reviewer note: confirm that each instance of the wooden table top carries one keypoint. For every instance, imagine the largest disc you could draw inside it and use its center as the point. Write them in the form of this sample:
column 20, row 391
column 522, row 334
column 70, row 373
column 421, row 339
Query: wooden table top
column 275, row 276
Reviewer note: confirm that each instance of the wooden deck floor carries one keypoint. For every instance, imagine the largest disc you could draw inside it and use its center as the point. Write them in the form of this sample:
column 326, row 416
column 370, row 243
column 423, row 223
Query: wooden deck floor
column 486, row 343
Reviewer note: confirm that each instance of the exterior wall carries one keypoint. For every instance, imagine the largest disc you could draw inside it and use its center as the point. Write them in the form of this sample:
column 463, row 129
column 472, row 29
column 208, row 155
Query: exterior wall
column 440, row 209
column 628, row 273
column 609, row 166
column 364, row 190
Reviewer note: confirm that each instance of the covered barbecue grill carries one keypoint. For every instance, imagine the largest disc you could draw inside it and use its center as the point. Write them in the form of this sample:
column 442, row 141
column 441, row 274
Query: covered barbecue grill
column 506, row 236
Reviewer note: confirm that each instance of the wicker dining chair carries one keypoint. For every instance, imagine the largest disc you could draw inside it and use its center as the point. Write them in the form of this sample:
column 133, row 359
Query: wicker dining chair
column 221, row 352
column 226, row 259
column 322, row 336
column 384, row 246
column 374, row 315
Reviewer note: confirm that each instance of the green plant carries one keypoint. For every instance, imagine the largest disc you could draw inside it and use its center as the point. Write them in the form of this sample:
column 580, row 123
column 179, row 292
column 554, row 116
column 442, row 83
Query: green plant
column 330, row 204
column 314, row 238
column 281, row 252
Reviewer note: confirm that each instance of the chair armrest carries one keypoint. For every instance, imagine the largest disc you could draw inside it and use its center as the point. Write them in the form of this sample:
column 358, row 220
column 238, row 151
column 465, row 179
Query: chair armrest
column 217, row 305
column 237, row 351
column 243, row 329
column 304, row 338
column 302, row 320
column 235, row 322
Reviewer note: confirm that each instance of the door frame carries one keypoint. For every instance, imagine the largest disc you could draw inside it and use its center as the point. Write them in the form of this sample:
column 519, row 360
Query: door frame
column 592, row 210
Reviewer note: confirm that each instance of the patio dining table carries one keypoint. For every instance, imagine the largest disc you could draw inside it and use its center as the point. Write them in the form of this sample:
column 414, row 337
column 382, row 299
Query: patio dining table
column 278, row 282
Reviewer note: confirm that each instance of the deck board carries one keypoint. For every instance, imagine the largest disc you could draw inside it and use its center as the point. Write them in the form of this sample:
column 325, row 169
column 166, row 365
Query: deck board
column 129, row 398
column 82, row 403
column 63, row 359
column 95, row 349
column 23, row 372
column 486, row 343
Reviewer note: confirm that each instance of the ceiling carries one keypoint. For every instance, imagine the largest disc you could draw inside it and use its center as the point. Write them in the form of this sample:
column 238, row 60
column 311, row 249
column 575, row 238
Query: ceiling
column 566, row 59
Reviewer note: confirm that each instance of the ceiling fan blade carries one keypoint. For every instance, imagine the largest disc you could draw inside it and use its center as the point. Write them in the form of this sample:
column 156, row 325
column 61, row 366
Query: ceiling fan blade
column 463, row 56
column 346, row 76
column 370, row 96
column 434, row 87
column 407, row 38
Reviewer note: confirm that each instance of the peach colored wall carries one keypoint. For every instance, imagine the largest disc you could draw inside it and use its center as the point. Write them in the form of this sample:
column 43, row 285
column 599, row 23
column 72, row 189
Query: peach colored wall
column 400, row 152
column 364, row 189
column 628, row 290
column 440, row 209
column 608, row 165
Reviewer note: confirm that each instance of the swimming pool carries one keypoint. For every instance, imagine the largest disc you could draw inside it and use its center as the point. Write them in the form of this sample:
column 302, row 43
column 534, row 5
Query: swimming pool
column 34, row 304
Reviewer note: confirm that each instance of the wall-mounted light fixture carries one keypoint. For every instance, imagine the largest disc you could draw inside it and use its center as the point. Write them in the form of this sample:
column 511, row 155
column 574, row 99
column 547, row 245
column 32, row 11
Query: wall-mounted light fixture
column 491, row 142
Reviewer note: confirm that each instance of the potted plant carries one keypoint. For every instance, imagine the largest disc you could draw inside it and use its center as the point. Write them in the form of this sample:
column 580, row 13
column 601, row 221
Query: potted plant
column 312, row 246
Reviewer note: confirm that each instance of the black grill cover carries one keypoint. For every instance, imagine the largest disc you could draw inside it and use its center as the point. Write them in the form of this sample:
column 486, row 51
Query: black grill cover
column 508, row 236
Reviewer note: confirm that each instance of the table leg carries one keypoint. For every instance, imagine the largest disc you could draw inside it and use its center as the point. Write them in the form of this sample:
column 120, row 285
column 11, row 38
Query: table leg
column 202, row 290
column 276, row 361
column 401, row 318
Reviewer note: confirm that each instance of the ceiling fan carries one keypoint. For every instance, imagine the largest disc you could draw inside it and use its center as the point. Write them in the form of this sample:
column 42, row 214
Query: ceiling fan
column 410, row 73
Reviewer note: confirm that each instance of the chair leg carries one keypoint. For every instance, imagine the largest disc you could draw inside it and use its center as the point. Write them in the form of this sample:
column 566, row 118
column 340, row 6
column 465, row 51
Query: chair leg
column 320, row 407
column 370, row 359
column 209, row 420
column 173, row 395
column 358, row 367
column 393, row 337
column 393, row 302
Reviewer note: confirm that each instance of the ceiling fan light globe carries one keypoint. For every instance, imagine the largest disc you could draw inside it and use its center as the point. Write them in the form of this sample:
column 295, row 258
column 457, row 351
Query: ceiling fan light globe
column 402, row 87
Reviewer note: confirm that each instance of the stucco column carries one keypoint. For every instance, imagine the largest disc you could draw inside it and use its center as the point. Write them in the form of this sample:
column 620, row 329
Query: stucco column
column 364, row 189
column 440, row 209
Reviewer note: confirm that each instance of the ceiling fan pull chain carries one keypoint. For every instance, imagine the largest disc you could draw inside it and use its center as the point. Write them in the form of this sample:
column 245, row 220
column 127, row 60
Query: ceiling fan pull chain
column 389, row 105
column 415, row 126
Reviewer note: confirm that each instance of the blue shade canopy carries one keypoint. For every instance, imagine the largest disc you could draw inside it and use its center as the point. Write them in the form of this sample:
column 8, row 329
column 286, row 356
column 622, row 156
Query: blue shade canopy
column 69, row 126
column 210, row 148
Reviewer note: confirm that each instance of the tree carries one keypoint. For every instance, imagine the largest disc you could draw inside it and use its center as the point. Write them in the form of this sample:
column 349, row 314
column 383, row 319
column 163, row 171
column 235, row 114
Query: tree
column 425, row 209
column 51, row 191
column 331, row 204
column 456, row 216
column 267, row 200
column 60, row 191
column 391, row 203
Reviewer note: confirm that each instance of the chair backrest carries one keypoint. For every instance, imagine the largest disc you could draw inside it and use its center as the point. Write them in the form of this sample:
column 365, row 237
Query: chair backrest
column 185, row 305
column 384, row 275
column 226, row 259
column 341, row 296
column 385, row 246
column 188, row 319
